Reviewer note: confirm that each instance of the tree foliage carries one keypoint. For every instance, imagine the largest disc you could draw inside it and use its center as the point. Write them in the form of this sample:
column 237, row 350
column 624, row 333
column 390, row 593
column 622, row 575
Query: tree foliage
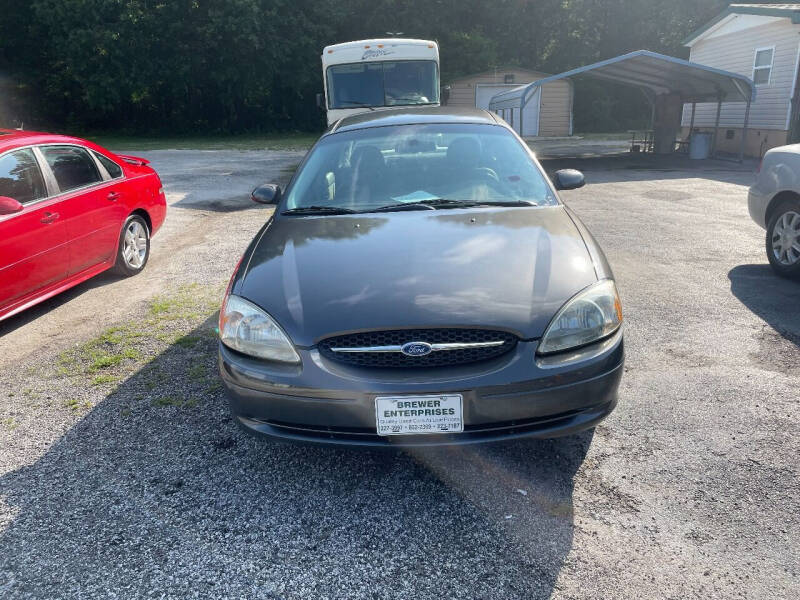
column 254, row 65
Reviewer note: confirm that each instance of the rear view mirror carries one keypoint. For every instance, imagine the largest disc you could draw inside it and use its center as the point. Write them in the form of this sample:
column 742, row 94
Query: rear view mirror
column 269, row 193
column 320, row 101
column 569, row 179
column 9, row 206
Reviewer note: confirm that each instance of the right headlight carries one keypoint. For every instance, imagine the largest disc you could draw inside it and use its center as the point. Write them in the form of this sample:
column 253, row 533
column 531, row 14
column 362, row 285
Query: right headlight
column 244, row 327
column 589, row 316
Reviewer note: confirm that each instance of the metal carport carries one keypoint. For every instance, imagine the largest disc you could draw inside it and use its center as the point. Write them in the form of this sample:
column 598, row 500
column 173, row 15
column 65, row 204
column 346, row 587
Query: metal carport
column 656, row 75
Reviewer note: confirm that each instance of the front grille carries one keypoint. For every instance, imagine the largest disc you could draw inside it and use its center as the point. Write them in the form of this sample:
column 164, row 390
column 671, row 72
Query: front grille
column 397, row 338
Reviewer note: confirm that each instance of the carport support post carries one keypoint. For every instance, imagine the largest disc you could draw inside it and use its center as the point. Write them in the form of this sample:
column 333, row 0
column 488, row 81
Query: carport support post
column 744, row 131
column 716, row 128
column 691, row 123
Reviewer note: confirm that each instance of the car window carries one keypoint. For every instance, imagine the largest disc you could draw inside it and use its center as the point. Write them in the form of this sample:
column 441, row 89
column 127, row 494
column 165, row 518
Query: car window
column 72, row 166
column 379, row 166
column 20, row 177
column 113, row 168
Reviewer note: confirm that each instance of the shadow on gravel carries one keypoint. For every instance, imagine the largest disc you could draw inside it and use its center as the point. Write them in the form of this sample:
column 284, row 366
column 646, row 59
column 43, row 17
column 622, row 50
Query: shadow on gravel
column 772, row 298
column 31, row 314
column 156, row 492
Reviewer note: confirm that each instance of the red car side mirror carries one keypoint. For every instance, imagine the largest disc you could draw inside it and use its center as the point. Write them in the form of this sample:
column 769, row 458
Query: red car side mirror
column 9, row 206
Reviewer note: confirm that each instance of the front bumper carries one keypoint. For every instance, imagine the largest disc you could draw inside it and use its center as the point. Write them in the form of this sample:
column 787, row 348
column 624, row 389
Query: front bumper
column 757, row 202
column 517, row 395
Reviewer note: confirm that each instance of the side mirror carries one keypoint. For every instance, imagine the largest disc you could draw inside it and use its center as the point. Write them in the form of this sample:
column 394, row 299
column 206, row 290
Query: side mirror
column 269, row 193
column 445, row 94
column 569, row 179
column 320, row 101
column 9, row 206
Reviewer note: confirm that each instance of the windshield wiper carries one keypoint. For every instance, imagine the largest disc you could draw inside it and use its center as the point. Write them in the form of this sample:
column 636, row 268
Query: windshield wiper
column 440, row 203
column 411, row 99
column 317, row 210
column 357, row 104
column 431, row 204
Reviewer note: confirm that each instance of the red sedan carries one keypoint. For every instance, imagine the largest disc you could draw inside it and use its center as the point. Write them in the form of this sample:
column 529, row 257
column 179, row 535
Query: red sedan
column 69, row 210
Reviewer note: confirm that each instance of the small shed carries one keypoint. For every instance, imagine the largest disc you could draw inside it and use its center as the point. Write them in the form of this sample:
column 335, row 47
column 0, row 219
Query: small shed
column 549, row 116
column 666, row 81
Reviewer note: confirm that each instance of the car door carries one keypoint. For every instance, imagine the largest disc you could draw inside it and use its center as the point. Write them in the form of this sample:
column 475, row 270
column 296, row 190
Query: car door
column 33, row 252
column 90, row 204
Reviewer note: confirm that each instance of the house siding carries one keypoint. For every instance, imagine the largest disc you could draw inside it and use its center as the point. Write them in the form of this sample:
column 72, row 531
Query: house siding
column 556, row 106
column 736, row 52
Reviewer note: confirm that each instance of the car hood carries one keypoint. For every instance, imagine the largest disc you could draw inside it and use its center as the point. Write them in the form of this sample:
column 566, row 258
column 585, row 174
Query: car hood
column 502, row 268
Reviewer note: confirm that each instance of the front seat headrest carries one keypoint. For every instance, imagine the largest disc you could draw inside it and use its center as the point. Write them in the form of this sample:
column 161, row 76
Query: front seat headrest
column 464, row 152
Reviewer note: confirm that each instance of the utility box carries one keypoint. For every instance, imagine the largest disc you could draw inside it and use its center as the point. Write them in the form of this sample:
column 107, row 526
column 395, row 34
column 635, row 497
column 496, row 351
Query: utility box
column 700, row 145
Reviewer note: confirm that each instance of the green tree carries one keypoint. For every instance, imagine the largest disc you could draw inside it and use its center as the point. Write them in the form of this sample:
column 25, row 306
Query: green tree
column 254, row 65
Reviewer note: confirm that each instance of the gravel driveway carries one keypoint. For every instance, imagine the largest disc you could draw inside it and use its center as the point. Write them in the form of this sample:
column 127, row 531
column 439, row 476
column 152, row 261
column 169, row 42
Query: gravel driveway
column 123, row 476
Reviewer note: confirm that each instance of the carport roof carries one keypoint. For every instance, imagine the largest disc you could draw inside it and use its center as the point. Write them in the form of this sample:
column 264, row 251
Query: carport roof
column 653, row 72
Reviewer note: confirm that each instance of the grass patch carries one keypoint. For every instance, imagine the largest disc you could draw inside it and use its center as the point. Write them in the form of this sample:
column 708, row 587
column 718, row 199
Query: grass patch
column 119, row 347
column 104, row 361
column 196, row 372
column 104, row 379
column 174, row 402
column 171, row 347
column 113, row 347
column 188, row 341
column 10, row 424
column 190, row 302
column 72, row 404
column 286, row 141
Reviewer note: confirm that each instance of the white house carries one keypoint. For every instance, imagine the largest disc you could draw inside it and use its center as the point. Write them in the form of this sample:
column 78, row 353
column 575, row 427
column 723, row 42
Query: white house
column 761, row 41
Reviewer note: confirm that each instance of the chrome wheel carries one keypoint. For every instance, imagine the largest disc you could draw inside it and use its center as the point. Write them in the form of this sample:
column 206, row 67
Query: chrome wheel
column 134, row 245
column 786, row 239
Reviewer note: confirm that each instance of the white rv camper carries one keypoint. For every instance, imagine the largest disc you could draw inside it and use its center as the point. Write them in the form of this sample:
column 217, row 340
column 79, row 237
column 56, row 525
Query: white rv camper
column 370, row 74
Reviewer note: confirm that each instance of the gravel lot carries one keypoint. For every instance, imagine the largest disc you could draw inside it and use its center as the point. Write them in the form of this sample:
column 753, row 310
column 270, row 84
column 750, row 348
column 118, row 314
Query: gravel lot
column 123, row 476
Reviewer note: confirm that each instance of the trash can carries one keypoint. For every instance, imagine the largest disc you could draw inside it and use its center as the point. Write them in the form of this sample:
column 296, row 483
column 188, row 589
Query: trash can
column 700, row 145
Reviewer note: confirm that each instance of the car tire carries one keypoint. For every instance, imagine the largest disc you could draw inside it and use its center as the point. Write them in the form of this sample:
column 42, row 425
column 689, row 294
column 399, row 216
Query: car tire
column 133, row 248
column 783, row 239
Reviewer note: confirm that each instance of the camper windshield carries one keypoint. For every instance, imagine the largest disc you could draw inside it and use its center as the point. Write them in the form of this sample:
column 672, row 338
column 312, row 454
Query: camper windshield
column 389, row 83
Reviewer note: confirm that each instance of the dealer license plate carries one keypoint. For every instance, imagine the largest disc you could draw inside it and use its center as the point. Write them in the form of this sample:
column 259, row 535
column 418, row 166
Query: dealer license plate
column 415, row 415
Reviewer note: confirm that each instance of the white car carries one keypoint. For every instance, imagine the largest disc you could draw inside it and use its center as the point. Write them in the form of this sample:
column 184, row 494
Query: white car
column 774, row 203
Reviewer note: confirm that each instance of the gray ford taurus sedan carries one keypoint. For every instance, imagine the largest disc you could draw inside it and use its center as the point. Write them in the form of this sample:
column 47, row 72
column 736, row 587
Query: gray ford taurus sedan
column 420, row 283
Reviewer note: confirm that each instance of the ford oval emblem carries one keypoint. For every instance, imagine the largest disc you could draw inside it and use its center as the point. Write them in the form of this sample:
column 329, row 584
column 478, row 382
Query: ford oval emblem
column 416, row 349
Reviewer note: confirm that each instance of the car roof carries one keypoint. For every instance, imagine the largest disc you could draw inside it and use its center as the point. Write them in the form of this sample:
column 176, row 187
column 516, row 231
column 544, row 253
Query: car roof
column 16, row 138
column 417, row 115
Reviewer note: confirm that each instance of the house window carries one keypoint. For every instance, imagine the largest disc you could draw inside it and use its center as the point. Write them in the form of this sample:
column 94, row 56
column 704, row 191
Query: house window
column 762, row 65
column 509, row 78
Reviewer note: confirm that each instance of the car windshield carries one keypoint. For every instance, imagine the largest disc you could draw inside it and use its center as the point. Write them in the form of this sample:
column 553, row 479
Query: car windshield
column 388, row 83
column 383, row 167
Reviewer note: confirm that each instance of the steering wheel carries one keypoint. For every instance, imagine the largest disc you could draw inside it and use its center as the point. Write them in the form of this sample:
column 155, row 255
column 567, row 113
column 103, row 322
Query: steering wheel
column 488, row 174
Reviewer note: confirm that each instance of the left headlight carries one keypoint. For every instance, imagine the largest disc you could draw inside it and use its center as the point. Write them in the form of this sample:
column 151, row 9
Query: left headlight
column 246, row 328
column 589, row 316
